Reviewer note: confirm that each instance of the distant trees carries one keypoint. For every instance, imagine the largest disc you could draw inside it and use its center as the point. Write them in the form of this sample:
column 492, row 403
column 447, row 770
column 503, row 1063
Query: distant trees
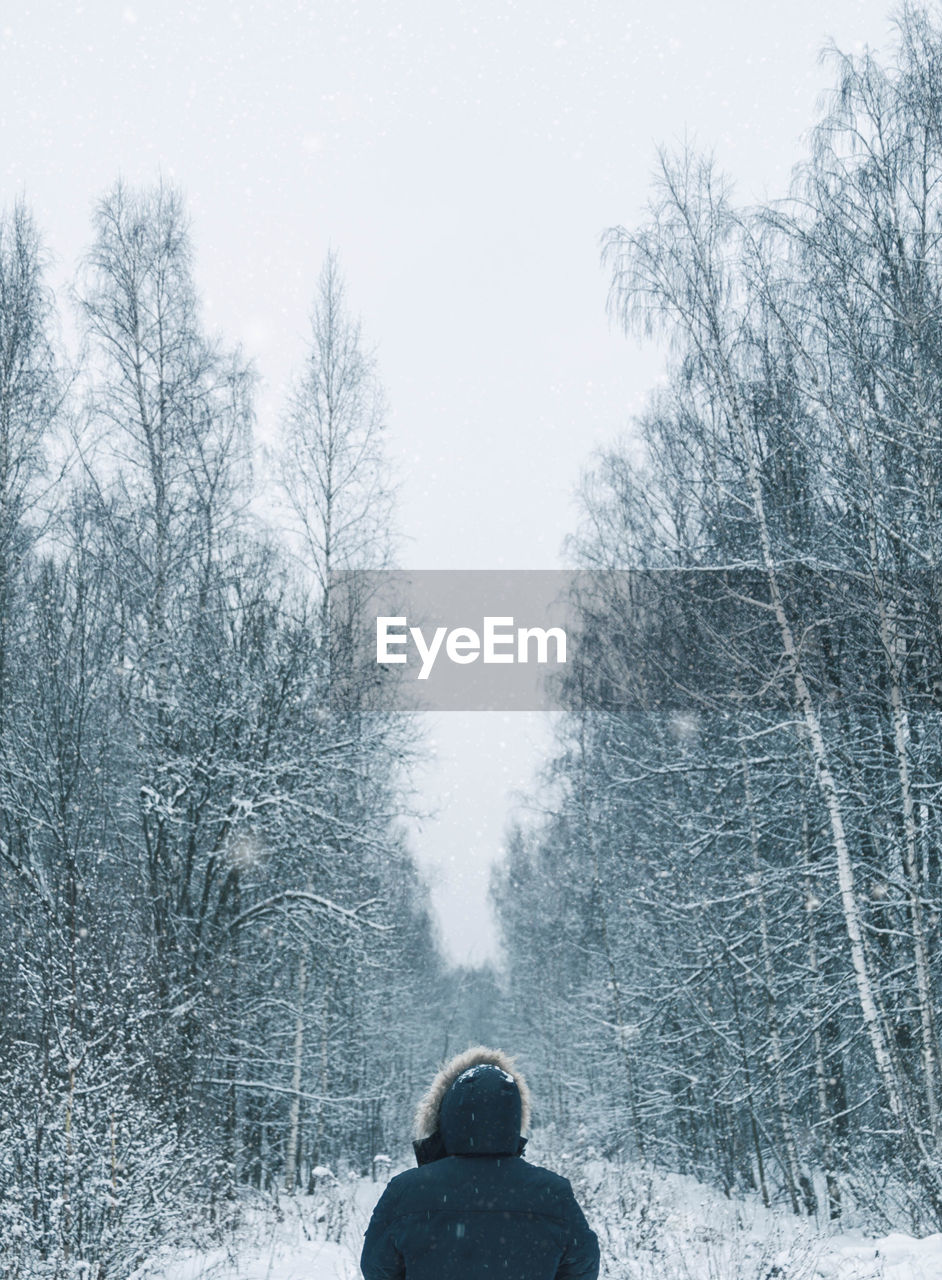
column 30, row 403
column 756, row 971
column 208, row 914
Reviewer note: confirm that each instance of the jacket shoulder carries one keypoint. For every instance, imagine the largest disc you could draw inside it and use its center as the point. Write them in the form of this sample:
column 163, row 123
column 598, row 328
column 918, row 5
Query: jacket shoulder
column 554, row 1189
column 401, row 1188
column 551, row 1179
column 400, row 1184
column 520, row 1186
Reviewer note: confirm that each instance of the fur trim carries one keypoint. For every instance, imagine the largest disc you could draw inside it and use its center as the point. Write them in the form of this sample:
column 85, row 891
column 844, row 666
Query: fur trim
column 426, row 1117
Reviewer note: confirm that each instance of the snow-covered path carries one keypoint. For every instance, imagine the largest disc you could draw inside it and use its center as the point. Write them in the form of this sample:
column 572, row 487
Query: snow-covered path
column 894, row 1257
column 323, row 1260
column 650, row 1227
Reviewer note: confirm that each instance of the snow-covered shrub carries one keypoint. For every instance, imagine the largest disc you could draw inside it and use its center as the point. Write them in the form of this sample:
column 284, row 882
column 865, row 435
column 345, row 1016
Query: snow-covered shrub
column 90, row 1182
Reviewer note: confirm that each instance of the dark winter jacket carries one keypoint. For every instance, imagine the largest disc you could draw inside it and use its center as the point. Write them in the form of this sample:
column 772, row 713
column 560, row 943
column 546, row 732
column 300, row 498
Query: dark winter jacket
column 474, row 1208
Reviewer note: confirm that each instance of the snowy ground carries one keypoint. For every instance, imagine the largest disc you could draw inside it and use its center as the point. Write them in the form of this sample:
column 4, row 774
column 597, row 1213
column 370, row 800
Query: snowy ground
column 651, row 1227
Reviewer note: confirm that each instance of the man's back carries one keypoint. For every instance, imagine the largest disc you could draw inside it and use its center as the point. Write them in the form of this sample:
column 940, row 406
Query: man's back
column 467, row 1212
column 467, row 1216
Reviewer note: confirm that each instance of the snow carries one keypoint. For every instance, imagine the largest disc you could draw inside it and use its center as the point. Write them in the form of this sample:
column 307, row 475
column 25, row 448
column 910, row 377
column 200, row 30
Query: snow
column 894, row 1257
column 315, row 1237
column 651, row 1226
column 316, row 1260
column 473, row 1072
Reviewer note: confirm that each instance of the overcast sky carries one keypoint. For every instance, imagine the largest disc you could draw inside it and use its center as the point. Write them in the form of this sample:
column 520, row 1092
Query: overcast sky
column 464, row 160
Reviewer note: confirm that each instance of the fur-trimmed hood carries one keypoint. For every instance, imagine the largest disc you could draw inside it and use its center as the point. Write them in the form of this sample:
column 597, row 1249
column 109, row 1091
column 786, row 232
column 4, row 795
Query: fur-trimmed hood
column 428, row 1114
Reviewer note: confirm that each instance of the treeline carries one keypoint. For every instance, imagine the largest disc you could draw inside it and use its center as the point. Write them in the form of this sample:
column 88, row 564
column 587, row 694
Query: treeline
column 208, row 918
column 728, row 930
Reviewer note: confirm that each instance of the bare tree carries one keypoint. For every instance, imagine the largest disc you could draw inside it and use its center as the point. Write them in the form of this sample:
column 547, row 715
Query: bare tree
column 334, row 473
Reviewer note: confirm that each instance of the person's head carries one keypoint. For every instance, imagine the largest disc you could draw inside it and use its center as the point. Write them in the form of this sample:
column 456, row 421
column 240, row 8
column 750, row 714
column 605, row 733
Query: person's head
column 478, row 1104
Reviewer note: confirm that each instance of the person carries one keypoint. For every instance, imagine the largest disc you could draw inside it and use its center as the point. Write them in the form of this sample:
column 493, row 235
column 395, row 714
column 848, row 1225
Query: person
column 473, row 1207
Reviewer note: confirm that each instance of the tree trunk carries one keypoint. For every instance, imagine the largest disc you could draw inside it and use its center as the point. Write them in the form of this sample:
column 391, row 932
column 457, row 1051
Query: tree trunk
column 294, row 1117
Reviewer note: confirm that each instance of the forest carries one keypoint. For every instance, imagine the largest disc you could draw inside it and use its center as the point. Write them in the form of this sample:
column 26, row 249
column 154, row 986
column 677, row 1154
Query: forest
column 730, row 926
column 219, row 968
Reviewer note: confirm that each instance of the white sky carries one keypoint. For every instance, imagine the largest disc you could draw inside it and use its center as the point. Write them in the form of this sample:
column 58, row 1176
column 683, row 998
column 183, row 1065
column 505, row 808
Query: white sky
column 464, row 159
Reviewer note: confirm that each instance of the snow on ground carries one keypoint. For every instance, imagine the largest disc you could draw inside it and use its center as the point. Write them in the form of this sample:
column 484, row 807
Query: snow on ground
column 314, row 1237
column 659, row 1226
column 323, row 1260
column 651, row 1227
column 894, row 1257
